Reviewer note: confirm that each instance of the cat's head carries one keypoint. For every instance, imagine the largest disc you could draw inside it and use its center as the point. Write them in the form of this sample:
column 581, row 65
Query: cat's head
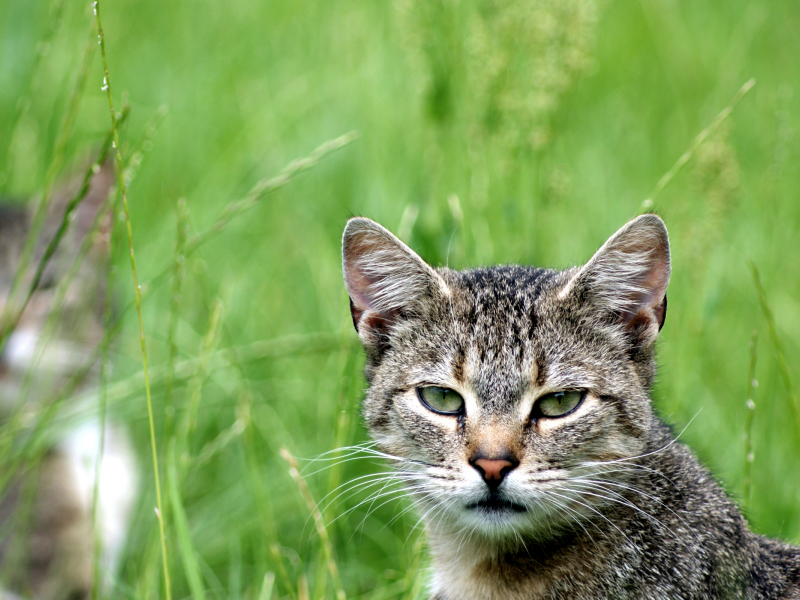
column 505, row 393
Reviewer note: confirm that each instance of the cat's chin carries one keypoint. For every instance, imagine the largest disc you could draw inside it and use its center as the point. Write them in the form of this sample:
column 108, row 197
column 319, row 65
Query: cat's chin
column 496, row 517
column 495, row 506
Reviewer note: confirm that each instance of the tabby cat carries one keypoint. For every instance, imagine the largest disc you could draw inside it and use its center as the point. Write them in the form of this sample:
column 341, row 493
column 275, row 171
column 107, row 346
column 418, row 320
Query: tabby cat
column 515, row 404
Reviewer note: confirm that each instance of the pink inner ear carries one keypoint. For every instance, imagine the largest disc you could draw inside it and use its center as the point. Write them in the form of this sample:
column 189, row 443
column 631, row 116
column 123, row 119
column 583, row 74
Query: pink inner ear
column 651, row 303
column 363, row 305
column 384, row 278
column 365, row 290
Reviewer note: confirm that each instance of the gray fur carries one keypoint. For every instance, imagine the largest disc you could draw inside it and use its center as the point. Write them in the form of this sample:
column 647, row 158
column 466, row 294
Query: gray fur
column 601, row 502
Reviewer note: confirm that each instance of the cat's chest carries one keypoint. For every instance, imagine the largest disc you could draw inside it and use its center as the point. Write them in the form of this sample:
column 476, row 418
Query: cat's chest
column 530, row 573
column 575, row 565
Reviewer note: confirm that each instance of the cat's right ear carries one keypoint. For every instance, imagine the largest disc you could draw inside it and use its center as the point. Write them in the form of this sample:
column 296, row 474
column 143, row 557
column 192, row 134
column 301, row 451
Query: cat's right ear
column 627, row 278
column 385, row 279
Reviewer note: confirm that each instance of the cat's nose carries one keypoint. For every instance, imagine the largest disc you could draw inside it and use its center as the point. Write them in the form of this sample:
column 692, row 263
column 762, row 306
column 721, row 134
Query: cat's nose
column 494, row 470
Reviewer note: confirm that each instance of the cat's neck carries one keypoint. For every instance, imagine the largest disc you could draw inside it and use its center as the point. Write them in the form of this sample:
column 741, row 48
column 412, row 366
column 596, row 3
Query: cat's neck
column 477, row 568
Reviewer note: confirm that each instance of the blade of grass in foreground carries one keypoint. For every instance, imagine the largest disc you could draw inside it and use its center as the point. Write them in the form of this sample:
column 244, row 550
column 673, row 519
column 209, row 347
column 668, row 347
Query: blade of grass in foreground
column 266, row 587
column 701, row 137
column 773, row 333
column 185, row 546
column 318, row 522
column 748, row 423
column 137, row 293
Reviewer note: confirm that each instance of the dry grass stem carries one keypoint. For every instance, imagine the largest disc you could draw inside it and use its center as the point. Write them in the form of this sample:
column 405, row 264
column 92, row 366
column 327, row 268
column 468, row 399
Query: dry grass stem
column 748, row 423
column 701, row 137
column 319, row 523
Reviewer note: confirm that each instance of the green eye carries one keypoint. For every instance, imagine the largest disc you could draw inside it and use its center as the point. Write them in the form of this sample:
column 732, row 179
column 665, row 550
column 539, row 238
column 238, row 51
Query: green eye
column 558, row 404
column 440, row 400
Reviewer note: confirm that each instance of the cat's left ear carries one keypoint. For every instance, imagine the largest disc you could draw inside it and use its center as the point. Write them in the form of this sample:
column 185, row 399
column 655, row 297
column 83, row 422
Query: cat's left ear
column 385, row 279
column 628, row 276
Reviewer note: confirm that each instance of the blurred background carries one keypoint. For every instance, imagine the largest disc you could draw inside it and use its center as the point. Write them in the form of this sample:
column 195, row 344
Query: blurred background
column 488, row 132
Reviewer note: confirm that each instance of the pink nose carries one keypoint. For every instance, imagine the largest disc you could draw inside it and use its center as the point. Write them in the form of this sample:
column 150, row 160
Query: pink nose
column 494, row 470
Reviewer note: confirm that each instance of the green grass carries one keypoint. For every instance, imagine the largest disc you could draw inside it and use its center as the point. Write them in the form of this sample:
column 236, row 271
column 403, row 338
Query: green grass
column 258, row 352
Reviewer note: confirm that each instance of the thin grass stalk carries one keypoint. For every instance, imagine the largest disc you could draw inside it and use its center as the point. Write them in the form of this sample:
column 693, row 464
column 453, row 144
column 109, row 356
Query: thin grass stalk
column 178, row 273
column 143, row 144
column 321, row 576
column 179, row 457
column 319, row 523
column 148, row 566
column 21, row 524
column 235, row 570
column 267, row 186
column 343, row 418
column 414, row 581
column 266, row 513
column 259, row 191
column 215, row 446
column 137, row 293
column 186, row 548
column 275, row 550
column 194, row 393
column 776, row 341
column 302, row 587
column 23, row 103
column 698, row 141
column 228, row 357
column 748, row 421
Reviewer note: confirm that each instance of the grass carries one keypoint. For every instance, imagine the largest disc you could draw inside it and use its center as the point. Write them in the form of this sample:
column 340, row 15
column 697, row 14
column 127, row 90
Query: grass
column 243, row 311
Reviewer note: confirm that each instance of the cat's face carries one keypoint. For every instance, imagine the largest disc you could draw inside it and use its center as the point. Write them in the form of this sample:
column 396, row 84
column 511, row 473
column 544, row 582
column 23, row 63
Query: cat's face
column 509, row 395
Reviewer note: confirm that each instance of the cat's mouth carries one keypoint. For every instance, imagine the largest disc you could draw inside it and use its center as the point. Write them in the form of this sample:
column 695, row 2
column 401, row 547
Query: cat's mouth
column 496, row 503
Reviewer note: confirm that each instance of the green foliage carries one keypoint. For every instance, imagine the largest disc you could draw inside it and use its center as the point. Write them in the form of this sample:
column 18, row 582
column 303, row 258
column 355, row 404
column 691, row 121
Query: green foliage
column 489, row 132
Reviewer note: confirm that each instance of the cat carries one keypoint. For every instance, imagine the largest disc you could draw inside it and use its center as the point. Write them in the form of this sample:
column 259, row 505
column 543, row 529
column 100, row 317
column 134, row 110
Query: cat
column 46, row 531
column 515, row 404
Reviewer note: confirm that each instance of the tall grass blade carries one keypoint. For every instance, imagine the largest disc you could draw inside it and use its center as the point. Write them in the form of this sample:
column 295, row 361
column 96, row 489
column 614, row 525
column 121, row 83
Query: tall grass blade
column 319, row 523
column 178, row 273
column 266, row 587
column 701, row 137
column 185, row 546
column 137, row 294
column 748, row 423
column 776, row 340
column 267, row 186
column 263, row 188
column 189, row 421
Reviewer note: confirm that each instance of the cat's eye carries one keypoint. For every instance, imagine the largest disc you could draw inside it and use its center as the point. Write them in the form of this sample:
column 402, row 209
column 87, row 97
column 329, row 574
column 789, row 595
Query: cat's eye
column 440, row 400
column 558, row 404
